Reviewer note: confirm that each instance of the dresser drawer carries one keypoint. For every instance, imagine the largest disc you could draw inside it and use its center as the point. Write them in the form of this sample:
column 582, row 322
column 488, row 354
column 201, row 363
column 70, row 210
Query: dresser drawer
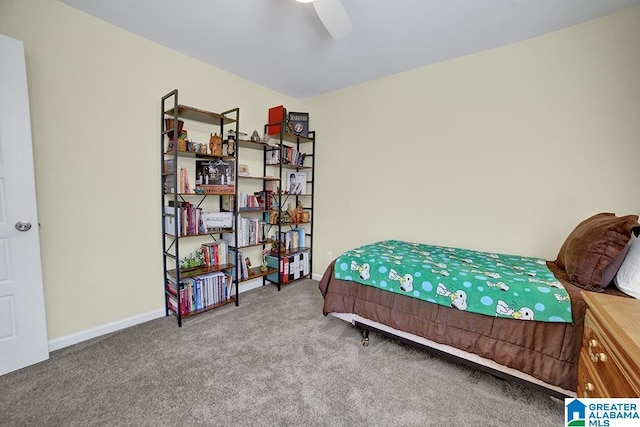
column 598, row 360
column 589, row 385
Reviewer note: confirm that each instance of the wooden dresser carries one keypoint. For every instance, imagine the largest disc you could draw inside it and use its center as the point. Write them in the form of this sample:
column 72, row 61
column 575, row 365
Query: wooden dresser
column 609, row 363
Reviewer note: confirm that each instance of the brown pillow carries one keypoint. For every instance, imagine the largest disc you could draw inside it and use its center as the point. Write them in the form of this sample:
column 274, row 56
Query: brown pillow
column 596, row 245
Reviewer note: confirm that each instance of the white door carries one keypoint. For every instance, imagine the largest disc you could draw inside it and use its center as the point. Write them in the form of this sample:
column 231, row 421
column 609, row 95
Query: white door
column 23, row 329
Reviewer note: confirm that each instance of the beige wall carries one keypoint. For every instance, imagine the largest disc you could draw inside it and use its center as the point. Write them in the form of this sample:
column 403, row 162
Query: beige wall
column 95, row 104
column 505, row 150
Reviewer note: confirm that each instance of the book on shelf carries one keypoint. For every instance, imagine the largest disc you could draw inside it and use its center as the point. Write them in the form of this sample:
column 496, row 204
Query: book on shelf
column 276, row 116
column 216, row 253
column 177, row 295
column 248, row 201
column 277, row 264
column 191, row 219
column 297, row 183
column 273, row 156
column 228, row 201
column 170, row 221
column 295, row 266
column 200, row 292
column 248, row 233
column 169, row 184
column 216, row 176
column 264, row 198
column 292, row 239
column 185, row 185
column 298, row 237
column 188, row 217
column 305, row 263
column 289, row 156
column 299, row 123
column 271, row 186
column 169, row 180
column 239, row 260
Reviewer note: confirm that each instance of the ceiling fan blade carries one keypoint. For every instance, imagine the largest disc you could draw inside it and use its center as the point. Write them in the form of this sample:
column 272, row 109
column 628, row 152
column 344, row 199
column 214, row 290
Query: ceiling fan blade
column 334, row 17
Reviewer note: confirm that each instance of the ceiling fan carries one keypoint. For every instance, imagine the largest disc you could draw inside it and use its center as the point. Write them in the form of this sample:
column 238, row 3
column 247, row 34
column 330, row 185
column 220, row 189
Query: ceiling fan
column 333, row 16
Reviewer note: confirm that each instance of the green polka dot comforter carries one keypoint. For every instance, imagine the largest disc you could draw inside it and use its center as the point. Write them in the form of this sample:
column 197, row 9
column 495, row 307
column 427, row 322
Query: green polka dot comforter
column 499, row 285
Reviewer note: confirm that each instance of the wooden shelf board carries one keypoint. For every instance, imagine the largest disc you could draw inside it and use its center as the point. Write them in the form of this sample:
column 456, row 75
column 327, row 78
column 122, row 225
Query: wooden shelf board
column 191, row 113
column 194, row 155
column 184, row 274
column 254, row 145
column 292, row 137
column 251, row 210
column 306, row 276
column 255, row 273
column 219, row 231
column 289, row 166
column 210, row 307
column 250, row 246
column 260, row 178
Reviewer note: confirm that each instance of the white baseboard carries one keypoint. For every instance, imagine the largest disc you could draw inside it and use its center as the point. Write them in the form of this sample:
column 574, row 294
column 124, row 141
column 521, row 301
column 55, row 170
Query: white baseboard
column 251, row 284
column 87, row 334
column 317, row 277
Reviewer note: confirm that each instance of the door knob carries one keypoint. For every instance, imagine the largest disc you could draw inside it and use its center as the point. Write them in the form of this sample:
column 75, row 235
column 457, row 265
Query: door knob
column 23, row 226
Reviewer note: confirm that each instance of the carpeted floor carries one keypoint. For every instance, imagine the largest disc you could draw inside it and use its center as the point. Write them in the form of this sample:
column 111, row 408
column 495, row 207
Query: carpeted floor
column 274, row 360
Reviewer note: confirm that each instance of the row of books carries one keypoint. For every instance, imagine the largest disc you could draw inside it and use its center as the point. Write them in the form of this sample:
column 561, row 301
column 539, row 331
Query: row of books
column 169, row 180
column 189, row 219
column 286, row 155
column 293, row 239
column 200, row 292
column 257, row 200
column 291, row 267
column 216, row 253
column 249, row 201
column 248, row 231
column 243, row 272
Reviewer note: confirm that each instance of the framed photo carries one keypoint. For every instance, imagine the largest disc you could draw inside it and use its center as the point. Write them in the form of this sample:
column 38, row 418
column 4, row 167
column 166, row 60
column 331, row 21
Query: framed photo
column 296, row 182
column 216, row 176
column 299, row 123
column 243, row 170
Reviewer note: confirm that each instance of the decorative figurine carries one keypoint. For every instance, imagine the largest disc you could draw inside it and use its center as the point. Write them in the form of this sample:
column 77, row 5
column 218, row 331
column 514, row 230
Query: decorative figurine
column 296, row 214
column 231, row 146
column 264, row 266
column 215, row 144
column 251, row 273
column 255, row 136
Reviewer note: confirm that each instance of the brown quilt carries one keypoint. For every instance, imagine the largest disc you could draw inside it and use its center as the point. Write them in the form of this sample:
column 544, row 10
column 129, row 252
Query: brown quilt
column 547, row 351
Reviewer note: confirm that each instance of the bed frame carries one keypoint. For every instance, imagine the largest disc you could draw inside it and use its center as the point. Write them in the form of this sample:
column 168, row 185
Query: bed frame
column 454, row 354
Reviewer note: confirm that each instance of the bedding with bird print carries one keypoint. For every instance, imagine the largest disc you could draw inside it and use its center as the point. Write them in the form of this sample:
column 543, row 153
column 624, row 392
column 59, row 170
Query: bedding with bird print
column 500, row 285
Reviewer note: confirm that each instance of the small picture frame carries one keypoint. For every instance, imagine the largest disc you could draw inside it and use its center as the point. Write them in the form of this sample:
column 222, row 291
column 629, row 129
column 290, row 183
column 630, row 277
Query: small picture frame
column 217, row 220
column 296, row 183
column 243, row 170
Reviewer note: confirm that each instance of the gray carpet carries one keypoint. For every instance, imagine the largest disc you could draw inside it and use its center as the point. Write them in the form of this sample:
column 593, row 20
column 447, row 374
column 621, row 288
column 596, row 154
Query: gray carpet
column 272, row 361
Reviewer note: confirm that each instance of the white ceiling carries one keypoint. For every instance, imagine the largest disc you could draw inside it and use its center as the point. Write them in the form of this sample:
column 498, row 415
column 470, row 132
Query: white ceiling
column 282, row 45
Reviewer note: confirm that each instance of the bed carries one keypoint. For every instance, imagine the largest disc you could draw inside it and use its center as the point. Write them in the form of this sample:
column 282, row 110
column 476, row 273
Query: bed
column 539, row 354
